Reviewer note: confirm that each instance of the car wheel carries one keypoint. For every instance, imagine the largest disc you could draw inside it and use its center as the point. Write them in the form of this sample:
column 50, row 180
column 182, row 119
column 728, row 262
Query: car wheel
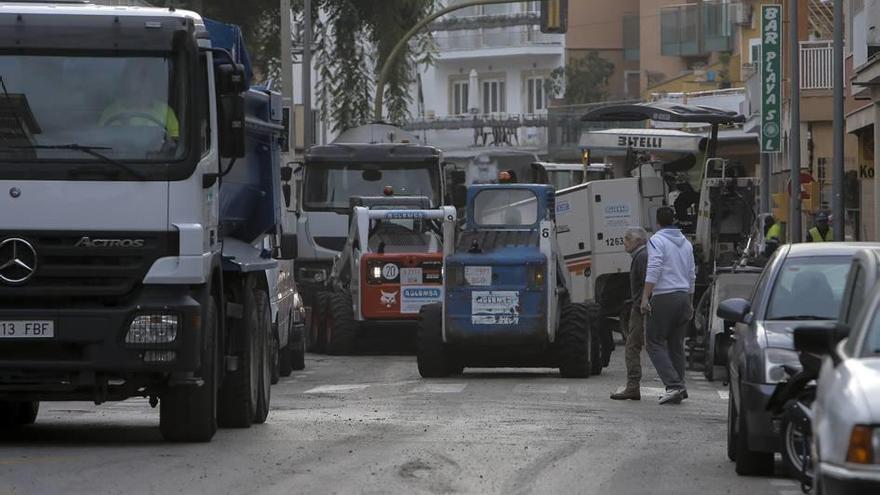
column 749, row 462
column 731, row 425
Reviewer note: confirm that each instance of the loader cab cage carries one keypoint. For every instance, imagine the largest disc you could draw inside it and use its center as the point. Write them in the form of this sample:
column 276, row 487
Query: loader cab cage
column 509, row 207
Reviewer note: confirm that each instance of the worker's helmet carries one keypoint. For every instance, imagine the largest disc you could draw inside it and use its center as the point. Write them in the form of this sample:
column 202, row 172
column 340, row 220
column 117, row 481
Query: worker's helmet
column 821, row 217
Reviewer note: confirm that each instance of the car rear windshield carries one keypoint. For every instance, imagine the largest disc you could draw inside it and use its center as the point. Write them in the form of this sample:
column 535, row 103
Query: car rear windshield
column 809, row 288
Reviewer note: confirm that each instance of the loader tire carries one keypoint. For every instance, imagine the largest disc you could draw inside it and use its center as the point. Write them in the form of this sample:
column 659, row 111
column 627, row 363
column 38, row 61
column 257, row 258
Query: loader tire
column 574, row 342
column 241, row 388
column 600, row 351
column 266, row 342
column 340, row 327
column 432, row 356
column 189, row 414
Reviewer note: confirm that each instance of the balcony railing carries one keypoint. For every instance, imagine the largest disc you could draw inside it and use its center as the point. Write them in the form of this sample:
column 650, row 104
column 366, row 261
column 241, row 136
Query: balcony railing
column 817, row 65
column 697, row 28
column 494, row 38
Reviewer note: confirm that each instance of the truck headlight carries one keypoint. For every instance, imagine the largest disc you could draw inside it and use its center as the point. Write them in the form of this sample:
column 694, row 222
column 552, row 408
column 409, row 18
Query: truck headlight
column 154, row 328
column 864, row 445
column 774, row 360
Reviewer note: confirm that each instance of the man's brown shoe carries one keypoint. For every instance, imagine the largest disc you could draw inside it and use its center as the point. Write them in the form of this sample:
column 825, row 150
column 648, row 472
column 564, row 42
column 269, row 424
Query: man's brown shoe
column 628, row 393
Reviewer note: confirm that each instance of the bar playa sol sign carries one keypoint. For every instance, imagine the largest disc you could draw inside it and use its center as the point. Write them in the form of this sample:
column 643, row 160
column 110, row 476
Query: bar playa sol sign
column 771, row 78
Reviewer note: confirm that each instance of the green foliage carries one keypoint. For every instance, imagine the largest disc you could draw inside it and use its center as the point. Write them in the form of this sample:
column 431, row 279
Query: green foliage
column 584, row 79
column 352, row 40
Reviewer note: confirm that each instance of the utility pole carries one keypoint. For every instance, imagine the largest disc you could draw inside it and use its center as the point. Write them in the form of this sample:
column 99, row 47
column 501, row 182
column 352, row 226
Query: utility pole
column 287, row 75
column 794, row 134
column 308, row 139
column 837, row 172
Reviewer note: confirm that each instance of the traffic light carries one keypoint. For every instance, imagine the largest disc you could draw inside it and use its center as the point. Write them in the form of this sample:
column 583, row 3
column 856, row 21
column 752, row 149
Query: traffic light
column 554, row 16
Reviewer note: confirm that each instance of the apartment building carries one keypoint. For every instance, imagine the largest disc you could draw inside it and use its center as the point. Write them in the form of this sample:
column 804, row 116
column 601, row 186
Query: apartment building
column 487, row 84
column 862, row 107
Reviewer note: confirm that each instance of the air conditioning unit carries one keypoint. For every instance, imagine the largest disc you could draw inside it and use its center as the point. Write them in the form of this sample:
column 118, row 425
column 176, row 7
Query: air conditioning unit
column 741, row 14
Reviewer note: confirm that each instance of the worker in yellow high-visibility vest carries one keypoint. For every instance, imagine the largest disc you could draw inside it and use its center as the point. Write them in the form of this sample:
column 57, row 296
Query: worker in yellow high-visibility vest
column 772, row 236
column 821, row 231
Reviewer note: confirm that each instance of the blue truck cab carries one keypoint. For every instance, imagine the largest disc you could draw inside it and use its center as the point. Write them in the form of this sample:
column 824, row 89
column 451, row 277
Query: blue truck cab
column 506, row 291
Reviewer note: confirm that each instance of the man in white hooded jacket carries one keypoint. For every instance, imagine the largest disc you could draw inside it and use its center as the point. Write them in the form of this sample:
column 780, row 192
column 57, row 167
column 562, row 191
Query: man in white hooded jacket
column 667, row 301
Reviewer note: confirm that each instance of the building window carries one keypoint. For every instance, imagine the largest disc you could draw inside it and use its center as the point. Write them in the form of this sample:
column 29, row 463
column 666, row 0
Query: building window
column 631, row 37
column 632, row 80
column 459, row 97
column 755, row 50
column 494, row 100
column 536, row 99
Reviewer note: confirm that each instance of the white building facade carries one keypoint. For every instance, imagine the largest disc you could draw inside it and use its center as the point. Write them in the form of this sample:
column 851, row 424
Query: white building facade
column 491, row 64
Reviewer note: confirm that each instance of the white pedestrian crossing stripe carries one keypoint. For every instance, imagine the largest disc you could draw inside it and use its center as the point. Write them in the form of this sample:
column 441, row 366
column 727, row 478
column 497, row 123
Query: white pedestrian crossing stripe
column 336, row 389
column 724, row 394
column 539, row 389
column 439, row 388
column 652, row 391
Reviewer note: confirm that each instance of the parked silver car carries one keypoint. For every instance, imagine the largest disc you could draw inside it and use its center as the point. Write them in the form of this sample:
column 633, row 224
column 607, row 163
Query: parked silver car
column 801, row 283
column 846, row 413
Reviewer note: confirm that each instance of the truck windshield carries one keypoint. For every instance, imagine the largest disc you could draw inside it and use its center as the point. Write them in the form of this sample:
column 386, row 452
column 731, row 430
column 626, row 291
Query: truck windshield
column 329, row 186
column 505, row 208
column 126, row 107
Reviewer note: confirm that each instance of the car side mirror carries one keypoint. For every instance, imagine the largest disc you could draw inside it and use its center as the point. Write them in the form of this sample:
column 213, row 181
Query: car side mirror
column 815, row 340
column 735, row 309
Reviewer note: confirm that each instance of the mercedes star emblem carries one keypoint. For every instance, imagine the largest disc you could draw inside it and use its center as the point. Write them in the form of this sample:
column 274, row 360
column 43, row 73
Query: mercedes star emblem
column 18, row 261
column 15, row 192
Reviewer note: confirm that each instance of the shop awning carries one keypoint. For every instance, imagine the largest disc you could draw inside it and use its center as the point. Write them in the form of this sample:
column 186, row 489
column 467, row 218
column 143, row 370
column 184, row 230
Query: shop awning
column 663, row 111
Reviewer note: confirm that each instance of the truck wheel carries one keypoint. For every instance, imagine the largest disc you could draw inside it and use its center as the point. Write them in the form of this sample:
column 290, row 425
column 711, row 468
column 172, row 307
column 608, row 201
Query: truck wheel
column 275, row 356
column 431, row 355
column 298, row 354
column 600, row 355
column 266, row 343
column 14, row 414
column 575, row 342
column 315, row 340
column 240, row 392
column 188, row 414
column 340, row 327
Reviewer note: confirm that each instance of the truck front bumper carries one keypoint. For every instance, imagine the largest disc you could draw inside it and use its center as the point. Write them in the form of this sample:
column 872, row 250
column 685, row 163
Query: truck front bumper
column 89, row 350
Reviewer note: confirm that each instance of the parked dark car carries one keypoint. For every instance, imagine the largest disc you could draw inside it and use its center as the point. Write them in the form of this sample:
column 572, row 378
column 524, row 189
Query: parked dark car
column 800, row 283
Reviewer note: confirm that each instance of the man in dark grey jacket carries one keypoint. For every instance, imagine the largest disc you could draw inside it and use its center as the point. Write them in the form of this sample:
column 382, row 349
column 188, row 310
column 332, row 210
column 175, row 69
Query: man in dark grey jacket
column 634, row 241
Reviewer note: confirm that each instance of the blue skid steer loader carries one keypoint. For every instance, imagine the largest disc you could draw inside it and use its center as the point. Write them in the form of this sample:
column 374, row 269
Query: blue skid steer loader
column 506, row 292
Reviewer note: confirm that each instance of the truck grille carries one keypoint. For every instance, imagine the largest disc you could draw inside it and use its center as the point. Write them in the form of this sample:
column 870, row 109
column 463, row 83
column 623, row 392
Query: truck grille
column 67, row 271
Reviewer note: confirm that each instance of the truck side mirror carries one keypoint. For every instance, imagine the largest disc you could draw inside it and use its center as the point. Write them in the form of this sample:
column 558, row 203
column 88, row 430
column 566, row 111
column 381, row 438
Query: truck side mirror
column 288, row 248
column 231, row 124
column 288, row 194
column 735, row 309
column 459, row 196
column 458, row 177
column 230, row 79
column 286, row 173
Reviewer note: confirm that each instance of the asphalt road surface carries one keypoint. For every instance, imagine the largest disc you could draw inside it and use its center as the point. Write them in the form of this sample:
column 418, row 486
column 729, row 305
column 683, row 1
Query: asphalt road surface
column 370, row 424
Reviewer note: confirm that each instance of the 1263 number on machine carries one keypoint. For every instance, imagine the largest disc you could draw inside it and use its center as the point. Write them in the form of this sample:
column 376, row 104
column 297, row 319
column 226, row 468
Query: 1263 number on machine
column 27, row 329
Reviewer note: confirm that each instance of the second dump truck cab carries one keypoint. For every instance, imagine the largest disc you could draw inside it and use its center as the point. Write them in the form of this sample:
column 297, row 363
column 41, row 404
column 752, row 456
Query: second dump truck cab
column 334, row 173
column 391, row 266
column 506, row 300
